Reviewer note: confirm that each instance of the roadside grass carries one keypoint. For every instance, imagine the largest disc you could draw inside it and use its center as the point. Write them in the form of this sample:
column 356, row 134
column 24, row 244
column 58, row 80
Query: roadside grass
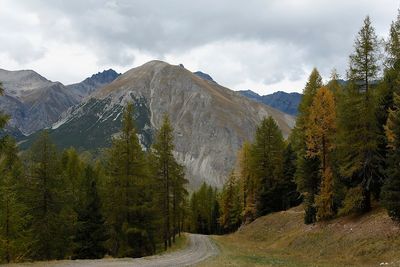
column 281, row 239
column 180, row 243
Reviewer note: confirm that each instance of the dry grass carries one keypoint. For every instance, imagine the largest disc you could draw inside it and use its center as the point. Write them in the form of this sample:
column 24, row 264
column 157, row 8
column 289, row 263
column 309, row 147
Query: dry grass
column 281, row 239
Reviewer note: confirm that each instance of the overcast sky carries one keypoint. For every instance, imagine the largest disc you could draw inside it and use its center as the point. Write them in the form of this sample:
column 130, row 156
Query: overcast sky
column 262, row 45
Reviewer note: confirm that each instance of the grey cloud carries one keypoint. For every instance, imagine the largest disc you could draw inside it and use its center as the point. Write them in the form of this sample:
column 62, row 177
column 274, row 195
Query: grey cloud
column 311, row 33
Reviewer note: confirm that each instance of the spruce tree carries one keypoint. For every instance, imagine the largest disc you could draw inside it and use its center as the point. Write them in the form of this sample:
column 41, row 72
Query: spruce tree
column 91, row 232
column 391, row 188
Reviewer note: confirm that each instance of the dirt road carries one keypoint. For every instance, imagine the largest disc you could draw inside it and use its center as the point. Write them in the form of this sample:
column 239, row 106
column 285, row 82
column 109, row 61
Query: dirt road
column 200, row 248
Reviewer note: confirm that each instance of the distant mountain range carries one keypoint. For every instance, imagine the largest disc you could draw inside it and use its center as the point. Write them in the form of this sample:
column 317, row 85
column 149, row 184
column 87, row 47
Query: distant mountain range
column 285, row 102
column 210, row 121
column 34, row 103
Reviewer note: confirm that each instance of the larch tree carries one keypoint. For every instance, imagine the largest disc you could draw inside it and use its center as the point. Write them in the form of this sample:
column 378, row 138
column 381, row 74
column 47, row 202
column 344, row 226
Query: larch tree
column 267, row 164
column 14, row 235
column 43, row 193
column 248, row 186
column 389, row 85
column 320, row 136
column 91, row 232
column 307, row 174
column 127, row 173
column 230, row 203
column 170, row 176
column 357, row 139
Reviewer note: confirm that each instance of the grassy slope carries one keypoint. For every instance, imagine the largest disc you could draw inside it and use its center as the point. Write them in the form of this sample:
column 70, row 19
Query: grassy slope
column 281, row 239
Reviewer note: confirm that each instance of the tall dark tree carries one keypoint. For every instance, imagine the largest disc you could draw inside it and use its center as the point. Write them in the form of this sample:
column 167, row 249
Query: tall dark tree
column 390, row 84
column 43, row 192
column 358, row 153
column 14, row 236
column 267, row 164
column 91, row 232
column 391, row 189
column 126, row 194
column 171, row 180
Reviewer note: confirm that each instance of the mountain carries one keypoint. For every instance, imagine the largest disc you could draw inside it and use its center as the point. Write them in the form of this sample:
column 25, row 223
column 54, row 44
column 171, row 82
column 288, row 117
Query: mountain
column 285, row 102
column 32, row 101
column 92, row 83
column 210, row 121
column 204, row 76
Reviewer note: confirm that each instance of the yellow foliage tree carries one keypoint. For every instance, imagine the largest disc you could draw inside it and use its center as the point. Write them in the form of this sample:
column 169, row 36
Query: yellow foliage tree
column 247, row 183
column 320, row 135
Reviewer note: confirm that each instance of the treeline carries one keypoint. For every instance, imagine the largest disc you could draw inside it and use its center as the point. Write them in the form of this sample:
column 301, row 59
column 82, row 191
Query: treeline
column 56, row 205
column 343, row 154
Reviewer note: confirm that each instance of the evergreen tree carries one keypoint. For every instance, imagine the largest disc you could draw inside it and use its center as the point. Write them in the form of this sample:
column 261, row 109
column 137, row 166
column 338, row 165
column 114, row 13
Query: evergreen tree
column 267, row 165
column 126, row 195
column 171, row 180
column 359, row 160
column 91, row 231
column 290, row 196
column 390, row 84
column 13, row 234
column 391, row 189
column 43, row 196
column 230, row 204
column 307, row 174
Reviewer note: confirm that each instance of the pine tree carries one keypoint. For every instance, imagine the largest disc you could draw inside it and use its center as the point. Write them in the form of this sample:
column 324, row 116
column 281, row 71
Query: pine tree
column 230, row 204
column 390, row 84
column 126, row 194
column 91, row 231
column 13, row 234
column 43, row 194
column 267, row 165
column 359, row 160
column 307, row 174
column 391, row 189
column 171, row 180
column 320, row 134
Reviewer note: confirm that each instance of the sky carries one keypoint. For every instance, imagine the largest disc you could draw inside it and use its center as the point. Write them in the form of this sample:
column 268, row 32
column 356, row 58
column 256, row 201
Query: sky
column 261, row 45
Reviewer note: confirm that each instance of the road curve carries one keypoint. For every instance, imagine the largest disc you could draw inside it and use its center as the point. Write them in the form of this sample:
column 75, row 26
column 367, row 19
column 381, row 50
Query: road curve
column 200, row 248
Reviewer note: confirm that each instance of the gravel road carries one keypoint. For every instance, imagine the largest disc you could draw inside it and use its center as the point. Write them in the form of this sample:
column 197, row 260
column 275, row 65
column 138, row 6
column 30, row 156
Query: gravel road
column 199, row 249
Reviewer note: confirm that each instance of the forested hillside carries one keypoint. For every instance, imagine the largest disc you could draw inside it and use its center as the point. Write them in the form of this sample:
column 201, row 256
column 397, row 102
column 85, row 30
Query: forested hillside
column 342, row 156
column 341, row 159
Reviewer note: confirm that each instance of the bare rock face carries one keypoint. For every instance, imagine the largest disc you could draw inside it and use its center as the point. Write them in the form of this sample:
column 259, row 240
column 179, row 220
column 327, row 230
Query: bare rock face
column 210, row 121
column 32, row 101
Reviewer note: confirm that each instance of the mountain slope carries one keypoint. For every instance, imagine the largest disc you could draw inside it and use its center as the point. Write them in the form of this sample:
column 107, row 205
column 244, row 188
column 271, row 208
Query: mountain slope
column 282, row 239
column 32, row 101
column 93, row 83
column 210, row 121
column 285, row 102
